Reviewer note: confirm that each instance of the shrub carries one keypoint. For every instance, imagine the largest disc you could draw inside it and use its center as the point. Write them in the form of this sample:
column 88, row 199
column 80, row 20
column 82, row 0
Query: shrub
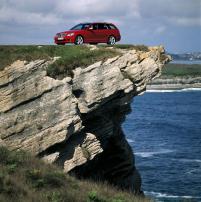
column 4, row 153
column 35, row 177
column 1, row 181
column 54, row 196
column 93, row 197
column 41, row 179
column 118, row 198
column 11, row 168
column 13, row 159
column 54, row 179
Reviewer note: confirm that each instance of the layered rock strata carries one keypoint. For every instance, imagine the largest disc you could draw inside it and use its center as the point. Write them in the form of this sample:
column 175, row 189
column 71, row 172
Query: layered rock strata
column 76, row 122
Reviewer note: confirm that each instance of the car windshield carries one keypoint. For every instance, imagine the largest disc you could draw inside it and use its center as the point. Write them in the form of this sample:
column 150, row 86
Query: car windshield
column 80, row 26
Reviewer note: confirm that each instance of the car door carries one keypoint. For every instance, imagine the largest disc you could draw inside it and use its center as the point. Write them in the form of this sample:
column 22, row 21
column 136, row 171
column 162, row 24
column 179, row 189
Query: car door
column 86, row 33
column 92, row 33
column 103, row 32
column 96, row 35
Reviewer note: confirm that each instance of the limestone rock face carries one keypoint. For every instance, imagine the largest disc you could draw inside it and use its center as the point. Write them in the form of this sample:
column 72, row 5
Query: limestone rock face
column 88, row 148
column 76, row 122
column 36, row 111
column 98, row 83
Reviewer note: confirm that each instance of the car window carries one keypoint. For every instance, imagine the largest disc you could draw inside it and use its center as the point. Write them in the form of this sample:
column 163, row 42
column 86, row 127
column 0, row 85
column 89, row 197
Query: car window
column 77, row 27
column 106, row 25
column 102, row 26
column 95, row 26
column 112, row 26
column 80, row 26
column 85, row 26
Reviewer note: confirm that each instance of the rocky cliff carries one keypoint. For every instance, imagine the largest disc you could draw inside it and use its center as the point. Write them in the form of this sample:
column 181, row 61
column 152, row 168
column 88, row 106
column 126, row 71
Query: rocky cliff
column 76, row 122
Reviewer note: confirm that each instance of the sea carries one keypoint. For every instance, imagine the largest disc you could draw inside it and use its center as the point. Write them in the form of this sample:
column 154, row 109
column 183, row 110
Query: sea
column 164, row 131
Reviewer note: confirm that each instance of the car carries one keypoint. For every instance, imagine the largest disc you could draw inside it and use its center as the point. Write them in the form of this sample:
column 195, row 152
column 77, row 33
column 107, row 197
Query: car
column 93, row 33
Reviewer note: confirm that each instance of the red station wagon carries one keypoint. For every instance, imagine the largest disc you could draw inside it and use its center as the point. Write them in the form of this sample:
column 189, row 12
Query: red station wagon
column 92, row 33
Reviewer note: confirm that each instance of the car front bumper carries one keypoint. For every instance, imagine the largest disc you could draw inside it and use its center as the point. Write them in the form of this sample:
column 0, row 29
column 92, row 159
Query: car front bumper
column 62, row 40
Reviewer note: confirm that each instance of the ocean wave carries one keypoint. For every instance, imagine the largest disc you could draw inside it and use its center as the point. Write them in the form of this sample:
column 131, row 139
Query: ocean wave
column 164, row 195
column 193, row 171
column 190, row 160
column 191, row 89
column 150, row 154
column 176, row 90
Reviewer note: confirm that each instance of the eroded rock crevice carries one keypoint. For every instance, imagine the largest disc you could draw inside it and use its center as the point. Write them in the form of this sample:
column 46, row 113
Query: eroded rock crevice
column 116, row 163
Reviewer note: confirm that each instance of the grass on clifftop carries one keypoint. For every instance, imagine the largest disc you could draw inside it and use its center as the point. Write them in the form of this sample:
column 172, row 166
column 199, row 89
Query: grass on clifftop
column 24, row 178
column 71, row 56
column 130, row 47
column 181, row 70
column 81, row 56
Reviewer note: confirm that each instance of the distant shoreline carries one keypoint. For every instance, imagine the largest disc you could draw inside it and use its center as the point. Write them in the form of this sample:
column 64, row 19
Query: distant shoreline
column 178, row 76
column 176, row 83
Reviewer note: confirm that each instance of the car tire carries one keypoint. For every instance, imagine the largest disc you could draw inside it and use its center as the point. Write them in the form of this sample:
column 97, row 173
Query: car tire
column 79, row 40
column 111, row 40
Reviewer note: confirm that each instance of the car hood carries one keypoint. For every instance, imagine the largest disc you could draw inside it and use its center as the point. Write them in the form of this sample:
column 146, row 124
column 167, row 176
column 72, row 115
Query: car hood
column 70, row 31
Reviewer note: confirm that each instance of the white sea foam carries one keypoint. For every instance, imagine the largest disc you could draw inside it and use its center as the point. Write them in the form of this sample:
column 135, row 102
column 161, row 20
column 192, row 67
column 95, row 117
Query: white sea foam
column 162, row 91
column 190, row 160
column 176, row 90
column 164, row 195
column 193, row 171
column 130, row 140
column 191, row 89
column 150, row 154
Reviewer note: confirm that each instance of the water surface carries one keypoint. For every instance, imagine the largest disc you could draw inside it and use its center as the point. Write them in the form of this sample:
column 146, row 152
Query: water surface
column 164, row 130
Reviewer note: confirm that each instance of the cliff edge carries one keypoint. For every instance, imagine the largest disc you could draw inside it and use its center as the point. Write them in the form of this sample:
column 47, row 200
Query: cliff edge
column 76, row 122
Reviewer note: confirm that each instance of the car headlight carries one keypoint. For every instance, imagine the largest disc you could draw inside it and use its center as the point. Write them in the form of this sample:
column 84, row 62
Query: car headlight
column 71, row 34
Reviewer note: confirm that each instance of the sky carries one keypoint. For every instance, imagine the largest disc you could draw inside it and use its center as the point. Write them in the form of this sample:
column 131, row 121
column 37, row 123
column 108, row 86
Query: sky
column 175, row 24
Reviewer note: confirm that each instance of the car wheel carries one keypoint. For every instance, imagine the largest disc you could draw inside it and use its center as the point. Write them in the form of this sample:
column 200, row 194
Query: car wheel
column 111, row 40
column 79, row 40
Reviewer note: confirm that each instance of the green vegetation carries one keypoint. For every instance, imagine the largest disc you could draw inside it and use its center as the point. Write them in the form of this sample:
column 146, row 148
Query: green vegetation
column 181, row 70
column 77, row 56
column 9, row 54
column 80, row 56
column 70, row 56
column 24, row 178
column 130, row 47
